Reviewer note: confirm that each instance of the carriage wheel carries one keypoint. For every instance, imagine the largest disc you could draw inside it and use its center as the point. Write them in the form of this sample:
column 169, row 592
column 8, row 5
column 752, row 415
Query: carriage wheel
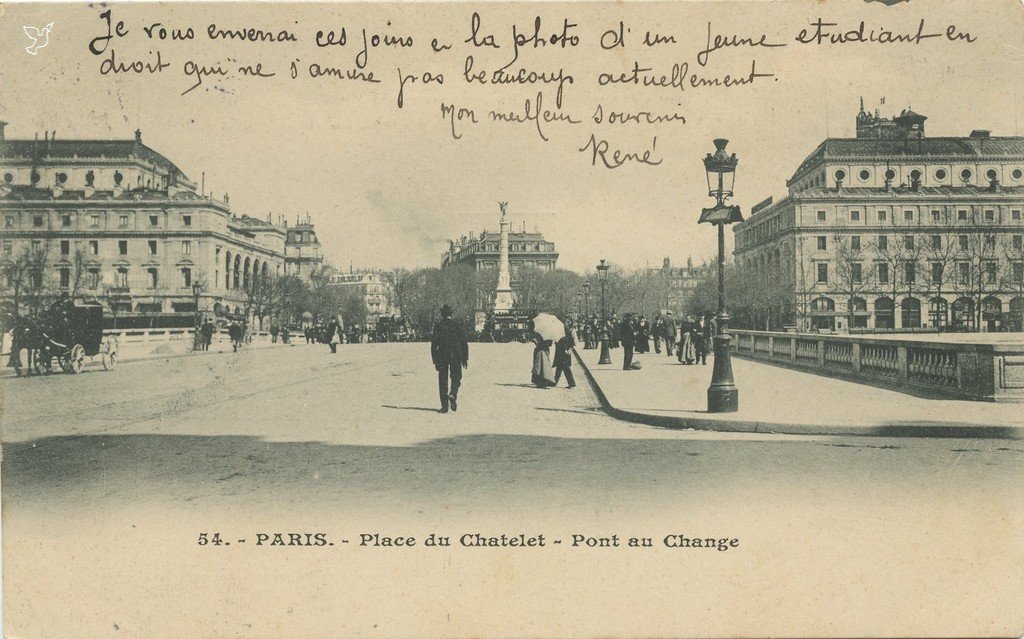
column 41, row 361
column 76, row 359
column 109, row 357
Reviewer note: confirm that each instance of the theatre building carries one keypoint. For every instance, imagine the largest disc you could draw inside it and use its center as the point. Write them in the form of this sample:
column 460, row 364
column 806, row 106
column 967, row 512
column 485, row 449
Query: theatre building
column 115, row 221
column 895, row 230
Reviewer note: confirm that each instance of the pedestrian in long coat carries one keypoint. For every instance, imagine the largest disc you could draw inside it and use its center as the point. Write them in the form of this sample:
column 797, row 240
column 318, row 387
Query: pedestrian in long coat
column 449, row 350
column 643, row 336
column 628, row 337
column 563, row 359
column 669, row 331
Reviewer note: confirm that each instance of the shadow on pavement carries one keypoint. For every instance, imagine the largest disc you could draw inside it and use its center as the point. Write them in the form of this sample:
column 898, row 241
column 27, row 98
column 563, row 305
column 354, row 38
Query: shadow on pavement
column 477, row 471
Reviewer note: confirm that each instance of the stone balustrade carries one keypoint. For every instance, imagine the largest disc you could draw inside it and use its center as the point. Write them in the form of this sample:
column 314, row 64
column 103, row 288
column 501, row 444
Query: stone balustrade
column 979, row 371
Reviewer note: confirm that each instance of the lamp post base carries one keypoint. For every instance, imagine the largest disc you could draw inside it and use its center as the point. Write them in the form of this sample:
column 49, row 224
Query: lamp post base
column 723, row 396
column 606, row 357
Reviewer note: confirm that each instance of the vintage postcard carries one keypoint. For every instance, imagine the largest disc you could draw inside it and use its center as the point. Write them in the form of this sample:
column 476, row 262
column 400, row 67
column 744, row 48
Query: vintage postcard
column 583, row 319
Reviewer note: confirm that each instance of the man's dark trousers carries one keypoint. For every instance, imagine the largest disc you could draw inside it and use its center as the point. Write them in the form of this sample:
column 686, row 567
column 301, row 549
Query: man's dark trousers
column 444, row 371
column 627, row 356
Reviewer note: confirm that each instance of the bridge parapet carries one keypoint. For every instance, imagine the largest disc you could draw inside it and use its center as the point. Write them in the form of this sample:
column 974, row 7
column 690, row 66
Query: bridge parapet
column 979, row 371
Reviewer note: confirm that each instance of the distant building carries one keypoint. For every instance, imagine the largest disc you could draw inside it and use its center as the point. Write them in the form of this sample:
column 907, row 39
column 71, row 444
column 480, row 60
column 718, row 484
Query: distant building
column 529, row 250
column 303, row 254
column 115, row 221
column 682, row 280
column 896, row 230
column 482, row 253
column 376, row 289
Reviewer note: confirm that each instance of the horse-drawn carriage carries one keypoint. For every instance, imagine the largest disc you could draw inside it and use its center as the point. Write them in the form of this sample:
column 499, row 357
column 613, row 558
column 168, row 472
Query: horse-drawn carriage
column 67, row 334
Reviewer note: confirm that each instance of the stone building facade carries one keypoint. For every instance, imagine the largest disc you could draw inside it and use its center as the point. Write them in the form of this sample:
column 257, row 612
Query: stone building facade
column 117, row 222
column 895, row 230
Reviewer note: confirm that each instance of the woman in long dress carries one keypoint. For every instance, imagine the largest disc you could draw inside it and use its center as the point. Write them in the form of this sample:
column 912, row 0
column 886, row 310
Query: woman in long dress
column 543, row 373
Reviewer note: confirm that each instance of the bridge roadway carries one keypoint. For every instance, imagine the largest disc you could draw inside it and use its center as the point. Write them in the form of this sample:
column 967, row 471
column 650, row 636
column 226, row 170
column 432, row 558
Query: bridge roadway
column 109, row 479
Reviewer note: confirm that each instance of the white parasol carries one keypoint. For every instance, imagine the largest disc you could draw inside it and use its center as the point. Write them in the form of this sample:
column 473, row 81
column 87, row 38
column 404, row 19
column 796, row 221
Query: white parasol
column 549, row 327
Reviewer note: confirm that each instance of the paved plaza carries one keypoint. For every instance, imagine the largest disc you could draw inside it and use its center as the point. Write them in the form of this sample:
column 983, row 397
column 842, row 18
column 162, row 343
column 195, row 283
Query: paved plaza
column 109, row 478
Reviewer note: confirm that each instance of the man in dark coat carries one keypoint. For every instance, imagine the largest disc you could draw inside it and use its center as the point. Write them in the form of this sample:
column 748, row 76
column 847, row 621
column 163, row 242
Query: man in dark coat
column 563, row 359
column 627, row 336
column 450, row 351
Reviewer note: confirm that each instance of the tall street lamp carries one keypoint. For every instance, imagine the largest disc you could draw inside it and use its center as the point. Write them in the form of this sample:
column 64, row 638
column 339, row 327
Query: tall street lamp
column 586, row 297
column 602, row 273
column 579, row 305
column 720, row 167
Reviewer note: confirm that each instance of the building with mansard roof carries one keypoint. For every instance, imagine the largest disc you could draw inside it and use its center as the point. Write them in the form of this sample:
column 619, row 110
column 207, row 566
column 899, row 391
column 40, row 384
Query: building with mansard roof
column 117, row 222
column 893, row 230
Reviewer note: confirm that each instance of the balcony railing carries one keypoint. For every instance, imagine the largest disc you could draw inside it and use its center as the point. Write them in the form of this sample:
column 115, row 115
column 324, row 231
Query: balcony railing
column 992, row 372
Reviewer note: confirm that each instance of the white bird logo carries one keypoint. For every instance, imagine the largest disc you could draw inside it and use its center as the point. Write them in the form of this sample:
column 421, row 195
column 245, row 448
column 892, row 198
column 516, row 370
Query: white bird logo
column 40, row 37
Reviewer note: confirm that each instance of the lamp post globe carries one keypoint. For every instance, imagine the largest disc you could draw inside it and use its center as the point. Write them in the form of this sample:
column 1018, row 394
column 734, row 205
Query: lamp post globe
column 720, row 169
column 602, row 274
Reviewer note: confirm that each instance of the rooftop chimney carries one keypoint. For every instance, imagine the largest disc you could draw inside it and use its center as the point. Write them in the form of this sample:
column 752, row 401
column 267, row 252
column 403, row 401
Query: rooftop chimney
column 980, row 134
column 993, row 185
column 2, row 125
column 138, row 135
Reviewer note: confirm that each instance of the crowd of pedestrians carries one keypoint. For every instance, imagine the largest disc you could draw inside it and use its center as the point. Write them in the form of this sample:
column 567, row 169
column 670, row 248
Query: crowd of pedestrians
column 689, row 340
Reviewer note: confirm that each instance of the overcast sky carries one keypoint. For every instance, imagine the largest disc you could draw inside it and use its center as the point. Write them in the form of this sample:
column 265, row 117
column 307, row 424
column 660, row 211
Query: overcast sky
column 389, row 186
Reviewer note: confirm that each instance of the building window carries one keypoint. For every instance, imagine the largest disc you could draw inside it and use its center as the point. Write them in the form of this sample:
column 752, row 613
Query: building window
column 883, row 242
column 890, row 174
column 856, row 272
column 990, row 215
column 8, row 221
column 122, row 247
column 152, row 247
column 65, row 247
column 855, row 242
column 961, row 215
column 186, row 247
column 94, row 220
column 1018, row 272
column 822, row 243
column 153, row 277
column 864, row 175
column 990, row 272
column 909, row 272
column 991, row 174
column 186, row 277
column 908, row 216
column 65, row 278
column 186, row 220
column 1018, row 242
column 8, row 247
column 990, row 242
column 822, row 272
column 122, row 220
column 65, row 220
column 1015, row 214
column 936, row 216
column 962, row 242
column 965, row 175
column 94, row 247
column 122, row 277
column 821, row 216
column 883, row 273
column 964, row 271
column 940, row 174
column 936, row 242
column 94, row 278
column 936, row 272
column 855, row 216
column 154, row 220
column 883, row 216
column 37, row 220
column 37, row 245
column 908, row 242
column 1017, row 174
